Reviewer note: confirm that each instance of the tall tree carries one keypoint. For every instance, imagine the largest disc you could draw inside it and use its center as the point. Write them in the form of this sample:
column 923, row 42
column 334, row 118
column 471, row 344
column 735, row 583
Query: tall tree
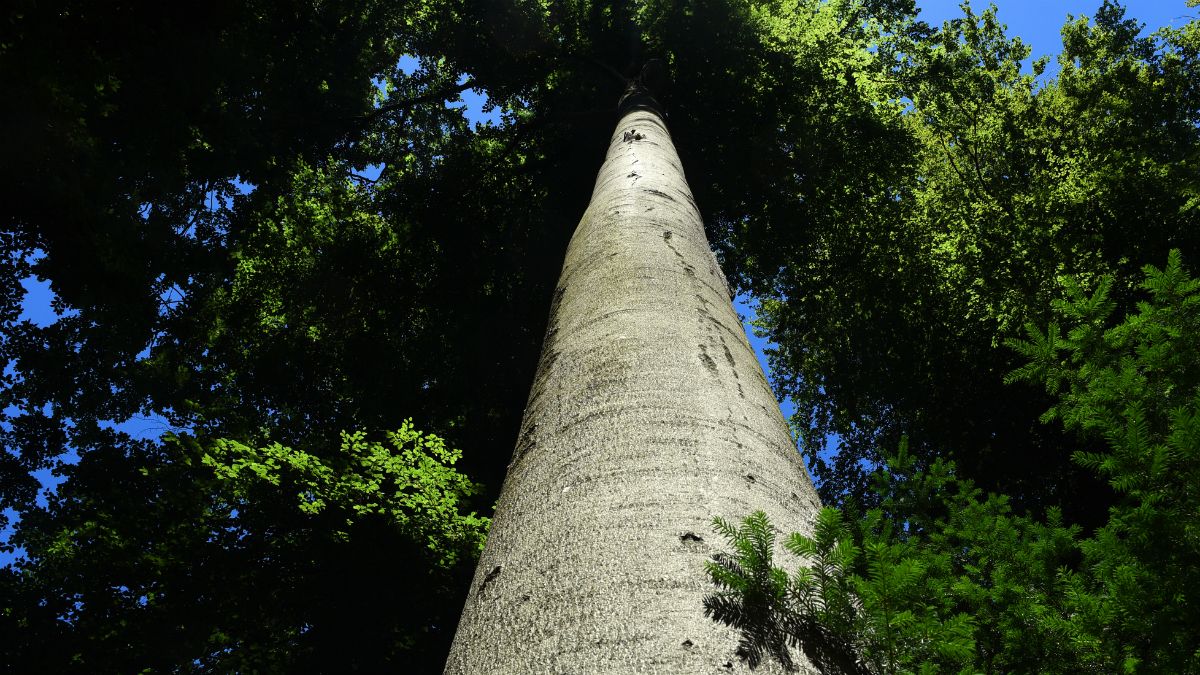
column 649, row 413
column 329, row 299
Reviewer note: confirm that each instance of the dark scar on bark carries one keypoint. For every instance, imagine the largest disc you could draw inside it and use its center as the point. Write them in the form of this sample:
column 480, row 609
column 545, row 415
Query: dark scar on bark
column 488, row 579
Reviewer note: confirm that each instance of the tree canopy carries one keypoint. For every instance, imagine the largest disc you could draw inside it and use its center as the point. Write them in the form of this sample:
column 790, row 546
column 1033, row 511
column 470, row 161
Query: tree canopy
column 272, row 227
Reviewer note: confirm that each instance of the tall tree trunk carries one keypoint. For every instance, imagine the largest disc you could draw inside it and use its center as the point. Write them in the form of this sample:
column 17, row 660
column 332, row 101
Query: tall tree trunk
column 648, row 416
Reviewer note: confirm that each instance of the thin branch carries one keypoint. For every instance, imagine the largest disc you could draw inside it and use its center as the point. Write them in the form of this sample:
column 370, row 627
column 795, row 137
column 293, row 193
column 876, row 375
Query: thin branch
column 363, row 179
column 429, row 97
column 591, row 60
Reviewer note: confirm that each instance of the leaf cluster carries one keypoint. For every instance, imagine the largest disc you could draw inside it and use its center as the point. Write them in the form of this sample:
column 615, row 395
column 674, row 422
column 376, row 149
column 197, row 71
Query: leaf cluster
column 218, row 556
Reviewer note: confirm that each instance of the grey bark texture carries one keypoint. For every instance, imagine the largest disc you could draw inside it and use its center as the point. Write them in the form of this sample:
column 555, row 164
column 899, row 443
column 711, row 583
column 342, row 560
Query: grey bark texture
column 648, row 416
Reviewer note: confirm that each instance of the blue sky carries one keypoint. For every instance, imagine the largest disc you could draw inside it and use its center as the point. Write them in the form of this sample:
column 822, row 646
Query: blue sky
column 1038, row 22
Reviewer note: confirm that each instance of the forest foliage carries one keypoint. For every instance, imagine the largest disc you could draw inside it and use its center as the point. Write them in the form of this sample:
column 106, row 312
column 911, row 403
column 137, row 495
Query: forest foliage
column 271, row 228
column 941, row 577
column 1012, row 382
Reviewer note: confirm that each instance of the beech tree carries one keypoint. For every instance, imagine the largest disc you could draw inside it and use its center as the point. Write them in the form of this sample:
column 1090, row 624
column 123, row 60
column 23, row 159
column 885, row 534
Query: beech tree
column 649, row 411
column 265, row 229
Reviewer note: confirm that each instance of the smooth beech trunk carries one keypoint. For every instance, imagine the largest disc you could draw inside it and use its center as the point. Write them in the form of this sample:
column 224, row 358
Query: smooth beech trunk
column 648, row 416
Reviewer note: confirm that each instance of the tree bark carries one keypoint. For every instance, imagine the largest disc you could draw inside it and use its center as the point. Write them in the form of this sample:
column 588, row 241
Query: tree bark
column 649, row 415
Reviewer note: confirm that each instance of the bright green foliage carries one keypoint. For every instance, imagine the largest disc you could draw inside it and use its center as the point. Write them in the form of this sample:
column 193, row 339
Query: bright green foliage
column 217, row 556
column 409, row 482
column 891, row 321
column 939, row 577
